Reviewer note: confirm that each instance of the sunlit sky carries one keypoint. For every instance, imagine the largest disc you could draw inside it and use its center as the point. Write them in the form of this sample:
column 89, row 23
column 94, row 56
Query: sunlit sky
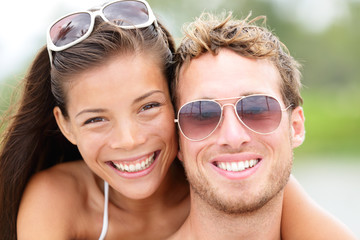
column 24, row 23
column 23, row 28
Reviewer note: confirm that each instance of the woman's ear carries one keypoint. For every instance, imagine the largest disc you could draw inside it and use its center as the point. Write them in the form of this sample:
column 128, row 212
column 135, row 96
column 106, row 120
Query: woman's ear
column 64, row 125
column 297, row 127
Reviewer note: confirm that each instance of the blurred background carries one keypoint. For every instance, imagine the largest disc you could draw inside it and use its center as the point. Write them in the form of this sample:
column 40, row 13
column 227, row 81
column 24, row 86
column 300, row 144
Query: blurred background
column 323, row 35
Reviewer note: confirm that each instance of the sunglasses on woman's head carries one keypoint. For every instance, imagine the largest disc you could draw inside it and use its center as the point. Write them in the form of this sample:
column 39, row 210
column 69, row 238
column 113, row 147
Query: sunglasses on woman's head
column 74, row 28
column 198, row 119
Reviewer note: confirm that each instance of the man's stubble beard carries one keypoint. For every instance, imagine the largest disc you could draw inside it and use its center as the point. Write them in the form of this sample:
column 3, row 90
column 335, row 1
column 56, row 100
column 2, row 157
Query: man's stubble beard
column 205, row 191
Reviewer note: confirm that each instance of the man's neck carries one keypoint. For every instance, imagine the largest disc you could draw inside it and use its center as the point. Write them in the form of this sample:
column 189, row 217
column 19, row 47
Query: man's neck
column 206, row 222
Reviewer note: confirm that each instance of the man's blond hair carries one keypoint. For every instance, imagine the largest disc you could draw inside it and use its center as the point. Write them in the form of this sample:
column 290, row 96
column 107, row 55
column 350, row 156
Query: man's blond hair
column 210, row 33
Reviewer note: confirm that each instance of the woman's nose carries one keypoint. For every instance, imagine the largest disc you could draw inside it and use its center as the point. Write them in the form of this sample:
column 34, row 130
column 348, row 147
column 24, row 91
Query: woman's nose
column 126, row 135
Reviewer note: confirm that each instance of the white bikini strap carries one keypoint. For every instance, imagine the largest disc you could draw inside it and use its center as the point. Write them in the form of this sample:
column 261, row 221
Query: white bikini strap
column 105, row 217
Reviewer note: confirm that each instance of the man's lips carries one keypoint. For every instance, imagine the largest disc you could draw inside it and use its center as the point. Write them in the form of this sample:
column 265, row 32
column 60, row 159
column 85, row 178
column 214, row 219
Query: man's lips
column 236, row 162
column 237, row 166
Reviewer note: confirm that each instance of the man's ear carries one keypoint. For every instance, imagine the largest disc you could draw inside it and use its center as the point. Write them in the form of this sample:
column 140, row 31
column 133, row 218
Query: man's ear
column 64, row 125
column 297, row 127
column 180, row 155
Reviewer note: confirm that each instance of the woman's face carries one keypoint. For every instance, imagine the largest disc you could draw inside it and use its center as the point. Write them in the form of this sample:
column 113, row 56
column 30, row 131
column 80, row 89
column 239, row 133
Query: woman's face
column 121, row 119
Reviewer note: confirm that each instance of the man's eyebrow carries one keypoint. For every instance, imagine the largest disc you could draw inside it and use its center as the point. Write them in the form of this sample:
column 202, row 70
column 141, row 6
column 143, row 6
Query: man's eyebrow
column 146, row 95
column 91, row 110
column 244, row 94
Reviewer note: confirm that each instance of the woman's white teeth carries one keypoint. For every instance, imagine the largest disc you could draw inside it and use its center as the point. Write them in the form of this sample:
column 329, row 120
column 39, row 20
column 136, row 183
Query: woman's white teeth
column 135, row 167
column 237, row 166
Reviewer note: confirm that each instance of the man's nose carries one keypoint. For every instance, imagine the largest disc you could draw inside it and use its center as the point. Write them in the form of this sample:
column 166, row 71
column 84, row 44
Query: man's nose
column 231, row 131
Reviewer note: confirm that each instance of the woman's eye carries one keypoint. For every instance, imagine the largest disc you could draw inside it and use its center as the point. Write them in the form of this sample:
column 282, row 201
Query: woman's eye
column 94, row 120
column 149, row 106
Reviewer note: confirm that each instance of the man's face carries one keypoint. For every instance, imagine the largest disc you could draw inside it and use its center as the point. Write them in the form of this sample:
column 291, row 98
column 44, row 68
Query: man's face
column 229, row 75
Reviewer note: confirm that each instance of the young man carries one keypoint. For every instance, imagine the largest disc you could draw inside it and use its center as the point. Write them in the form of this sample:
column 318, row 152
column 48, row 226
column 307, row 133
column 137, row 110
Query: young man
column 237, row 92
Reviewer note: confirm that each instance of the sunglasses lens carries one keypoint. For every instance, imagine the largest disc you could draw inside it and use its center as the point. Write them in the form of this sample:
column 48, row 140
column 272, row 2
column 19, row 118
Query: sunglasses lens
column 70, row 28
column 198, row 119
column 127, row 13
column 260, row 113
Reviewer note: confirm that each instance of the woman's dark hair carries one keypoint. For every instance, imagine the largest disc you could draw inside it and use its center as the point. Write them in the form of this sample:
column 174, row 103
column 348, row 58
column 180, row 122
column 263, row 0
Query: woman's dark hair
column 32, row 141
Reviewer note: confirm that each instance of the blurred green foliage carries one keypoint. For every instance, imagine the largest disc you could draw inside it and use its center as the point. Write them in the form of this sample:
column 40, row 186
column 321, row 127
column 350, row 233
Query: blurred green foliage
column 330, row 59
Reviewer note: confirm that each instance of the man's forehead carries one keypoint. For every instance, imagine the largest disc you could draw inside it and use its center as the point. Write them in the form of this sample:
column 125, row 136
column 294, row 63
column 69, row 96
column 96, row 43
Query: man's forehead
column 195, row 61
column 225, row 74
column 223, row 63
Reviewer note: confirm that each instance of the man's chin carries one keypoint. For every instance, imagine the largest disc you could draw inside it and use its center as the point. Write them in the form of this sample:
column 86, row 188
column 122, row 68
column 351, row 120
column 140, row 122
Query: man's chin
column 235, row 206
column 227, row 202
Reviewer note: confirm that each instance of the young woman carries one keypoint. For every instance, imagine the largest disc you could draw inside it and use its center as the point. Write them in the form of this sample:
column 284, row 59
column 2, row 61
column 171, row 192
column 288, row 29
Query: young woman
column 90, row 150
column 102, row 98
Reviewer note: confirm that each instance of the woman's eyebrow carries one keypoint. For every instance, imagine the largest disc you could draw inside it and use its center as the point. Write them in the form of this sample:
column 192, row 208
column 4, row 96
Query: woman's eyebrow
column 91, row 110
column 148, row 94
column 102, row 110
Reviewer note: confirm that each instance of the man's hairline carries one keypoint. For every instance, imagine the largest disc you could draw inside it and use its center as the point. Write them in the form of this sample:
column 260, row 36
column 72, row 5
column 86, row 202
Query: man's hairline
column 184, row 65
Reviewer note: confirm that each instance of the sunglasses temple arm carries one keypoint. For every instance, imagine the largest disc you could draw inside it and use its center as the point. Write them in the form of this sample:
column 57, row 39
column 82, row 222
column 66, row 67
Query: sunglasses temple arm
column 50, row 56
column 287, row 108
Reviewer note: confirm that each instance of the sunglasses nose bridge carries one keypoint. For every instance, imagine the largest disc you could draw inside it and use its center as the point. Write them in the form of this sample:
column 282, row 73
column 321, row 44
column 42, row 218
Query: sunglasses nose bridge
column 235, row 112
column 228, row 105
column 232, row 131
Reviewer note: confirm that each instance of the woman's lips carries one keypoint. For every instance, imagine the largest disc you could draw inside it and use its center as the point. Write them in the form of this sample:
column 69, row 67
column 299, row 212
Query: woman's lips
column 135, row 166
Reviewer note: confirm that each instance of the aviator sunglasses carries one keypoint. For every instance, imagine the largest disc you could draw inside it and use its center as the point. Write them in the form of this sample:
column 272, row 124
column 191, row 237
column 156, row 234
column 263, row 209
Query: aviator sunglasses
column 198, row 119
column 75, row 27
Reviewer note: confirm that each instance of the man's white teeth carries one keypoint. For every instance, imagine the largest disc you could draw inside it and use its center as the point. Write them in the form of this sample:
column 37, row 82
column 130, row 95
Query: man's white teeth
column 135, row 167
column 237, row 166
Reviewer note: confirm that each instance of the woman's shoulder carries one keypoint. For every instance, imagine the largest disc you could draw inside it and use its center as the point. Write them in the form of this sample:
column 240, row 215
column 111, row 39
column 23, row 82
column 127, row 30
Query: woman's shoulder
column 61, row 179
column 51, row 198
